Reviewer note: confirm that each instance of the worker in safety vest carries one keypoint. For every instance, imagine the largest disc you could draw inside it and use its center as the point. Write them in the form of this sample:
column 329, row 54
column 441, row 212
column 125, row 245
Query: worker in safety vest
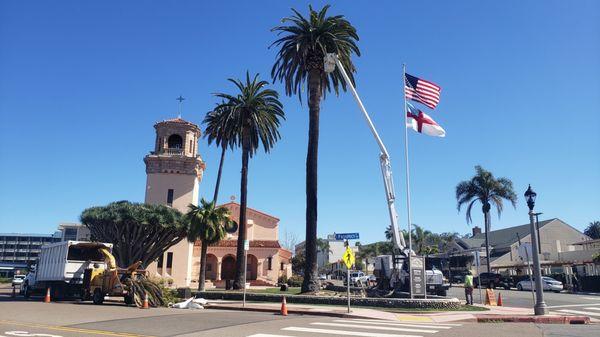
column 469, row 288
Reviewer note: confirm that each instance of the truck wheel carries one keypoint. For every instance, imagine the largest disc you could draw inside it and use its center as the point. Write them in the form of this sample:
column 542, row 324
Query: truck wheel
column 442, row 292
column 492, row 285
column 519, row 287
column 128, row 299
column 98, row 297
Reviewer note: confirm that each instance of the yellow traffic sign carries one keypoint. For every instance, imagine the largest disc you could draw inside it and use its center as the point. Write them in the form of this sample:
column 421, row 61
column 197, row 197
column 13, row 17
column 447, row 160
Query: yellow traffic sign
column 348, row 258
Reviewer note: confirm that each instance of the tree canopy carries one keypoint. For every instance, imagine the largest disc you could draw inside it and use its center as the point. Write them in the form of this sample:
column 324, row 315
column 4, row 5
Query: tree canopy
column 593, row 230
column 138, row 232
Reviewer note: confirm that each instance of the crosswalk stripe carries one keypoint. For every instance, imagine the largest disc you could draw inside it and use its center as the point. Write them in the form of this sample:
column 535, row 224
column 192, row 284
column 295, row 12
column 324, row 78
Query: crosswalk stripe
column 374, row 327
column 597, row 298
column 263, row 335
column 345, row 332
column 593, row 308
column 411, row 324
column 580, row 312
column 391, row 321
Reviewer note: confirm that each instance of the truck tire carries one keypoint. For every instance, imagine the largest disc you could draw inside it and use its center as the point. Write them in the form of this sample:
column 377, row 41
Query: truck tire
column 492, row 285
column 442, row 292
column 129, row 300
column 98, row 297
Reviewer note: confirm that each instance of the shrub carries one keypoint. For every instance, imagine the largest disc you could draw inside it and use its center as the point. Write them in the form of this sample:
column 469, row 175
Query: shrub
column 282, row 279
column 295, row 281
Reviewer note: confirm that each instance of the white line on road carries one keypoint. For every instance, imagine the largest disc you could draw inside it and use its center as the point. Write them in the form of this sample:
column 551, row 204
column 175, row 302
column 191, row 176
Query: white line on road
column 570, row 305
column 593, row 308
column 593, row 298
column 263, row 335
column 345, row 333
column 370, row 327
column 580, row 312
column 395, row 323
column 411, row 322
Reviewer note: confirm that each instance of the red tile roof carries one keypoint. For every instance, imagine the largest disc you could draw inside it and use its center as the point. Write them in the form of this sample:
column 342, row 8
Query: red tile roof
column 250, row 208
column 253, row 244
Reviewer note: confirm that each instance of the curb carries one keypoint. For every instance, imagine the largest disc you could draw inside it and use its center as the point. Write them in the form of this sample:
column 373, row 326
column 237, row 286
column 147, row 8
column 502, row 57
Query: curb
column 533, row 319
column 290, row 311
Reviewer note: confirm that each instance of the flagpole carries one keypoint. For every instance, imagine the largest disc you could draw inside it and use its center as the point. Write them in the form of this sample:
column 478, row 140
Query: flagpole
column 407, row 179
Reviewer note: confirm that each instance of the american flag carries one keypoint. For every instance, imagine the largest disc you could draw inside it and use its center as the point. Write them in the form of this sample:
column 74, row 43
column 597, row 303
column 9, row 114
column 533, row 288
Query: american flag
column 422, row 91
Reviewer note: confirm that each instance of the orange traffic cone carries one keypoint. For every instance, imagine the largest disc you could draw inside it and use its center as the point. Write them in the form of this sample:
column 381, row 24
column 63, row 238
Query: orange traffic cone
column 47, row 298
column 499, row 300
column 145, row 305
column 283, row 307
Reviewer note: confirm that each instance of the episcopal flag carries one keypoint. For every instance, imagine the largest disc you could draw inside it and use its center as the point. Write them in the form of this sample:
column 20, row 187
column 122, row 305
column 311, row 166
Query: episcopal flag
column 422, row 123
column 422, row 91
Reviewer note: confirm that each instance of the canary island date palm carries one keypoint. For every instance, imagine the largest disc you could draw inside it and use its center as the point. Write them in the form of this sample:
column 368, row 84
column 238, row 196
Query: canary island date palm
column 252, row 117
column 304, row 42
column 216, row 132
column 209, row 224
column 487, row 190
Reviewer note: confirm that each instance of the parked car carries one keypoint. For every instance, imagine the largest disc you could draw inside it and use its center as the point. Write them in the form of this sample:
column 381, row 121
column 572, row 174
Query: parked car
column 322, row 277
column 17, row 280
column 355, row 277
column 549, row 284
column 492, row 280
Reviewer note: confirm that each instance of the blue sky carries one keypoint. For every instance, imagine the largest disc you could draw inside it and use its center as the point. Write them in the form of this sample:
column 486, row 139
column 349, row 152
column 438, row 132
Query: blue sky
column 82, row 83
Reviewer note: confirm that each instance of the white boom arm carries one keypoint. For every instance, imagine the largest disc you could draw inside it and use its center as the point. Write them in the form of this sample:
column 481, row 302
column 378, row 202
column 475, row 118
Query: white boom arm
column 384, row 158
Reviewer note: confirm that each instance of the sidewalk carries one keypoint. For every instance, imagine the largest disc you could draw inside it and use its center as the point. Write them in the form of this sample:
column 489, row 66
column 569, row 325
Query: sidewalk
column 495, row 314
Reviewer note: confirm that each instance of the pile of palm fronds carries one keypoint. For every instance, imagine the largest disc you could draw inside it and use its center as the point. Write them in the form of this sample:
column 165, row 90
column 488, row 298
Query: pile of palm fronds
column 142, row 286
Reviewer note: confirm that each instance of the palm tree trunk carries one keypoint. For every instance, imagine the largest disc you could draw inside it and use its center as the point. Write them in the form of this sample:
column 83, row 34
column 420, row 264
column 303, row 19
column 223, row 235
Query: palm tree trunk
column 238, row 282
column 219, row 175
column 314, row 101
column 486, row 219
column 202, row 280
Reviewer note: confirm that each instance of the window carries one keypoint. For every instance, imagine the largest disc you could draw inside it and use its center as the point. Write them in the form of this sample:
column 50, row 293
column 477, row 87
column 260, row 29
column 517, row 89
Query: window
column 70, row 234
column 281, row 266
column 209, row 267
column 191, row 148
column 175, row 142
column 269, row 263
column 170, row 197
column 169, row 260
column 159, row 264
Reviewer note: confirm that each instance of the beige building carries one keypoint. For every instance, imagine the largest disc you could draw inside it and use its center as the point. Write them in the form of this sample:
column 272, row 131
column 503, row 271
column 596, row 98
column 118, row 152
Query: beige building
column 174, row 171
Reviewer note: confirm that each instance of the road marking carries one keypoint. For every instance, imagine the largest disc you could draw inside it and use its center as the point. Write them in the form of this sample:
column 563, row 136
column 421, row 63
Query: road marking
column 593, row 308
column 362, row 326
column 402, row 322
column 570, row 305
column 263, row 335
column 580, row 312
column 418, row 325
column 69, row 329
column 413, row 318
column 345, row 333
column 593, row 298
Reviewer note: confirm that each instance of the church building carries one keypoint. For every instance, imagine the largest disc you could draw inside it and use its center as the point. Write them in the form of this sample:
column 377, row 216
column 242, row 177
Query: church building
column 174, row 172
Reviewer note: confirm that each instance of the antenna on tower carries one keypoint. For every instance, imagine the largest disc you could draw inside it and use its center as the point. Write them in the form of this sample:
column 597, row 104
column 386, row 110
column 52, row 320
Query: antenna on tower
column 180, row 99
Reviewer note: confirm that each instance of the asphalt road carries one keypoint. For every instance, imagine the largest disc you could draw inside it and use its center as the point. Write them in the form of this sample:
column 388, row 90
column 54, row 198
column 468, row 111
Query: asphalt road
column 20, row 317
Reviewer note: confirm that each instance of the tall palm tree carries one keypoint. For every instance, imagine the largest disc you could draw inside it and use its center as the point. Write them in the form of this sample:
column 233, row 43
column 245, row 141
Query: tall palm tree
column 208, row 224
column 488, row 190
column 303, row 43
column 252, row 117
column 420, row 236
column 216, row 132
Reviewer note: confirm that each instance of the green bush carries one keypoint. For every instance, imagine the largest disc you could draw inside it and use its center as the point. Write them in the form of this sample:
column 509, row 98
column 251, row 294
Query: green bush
column 295, row 281
column 282, row 279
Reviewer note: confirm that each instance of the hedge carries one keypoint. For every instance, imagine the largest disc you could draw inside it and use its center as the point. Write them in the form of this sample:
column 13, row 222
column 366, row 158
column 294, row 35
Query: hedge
column 446, row 304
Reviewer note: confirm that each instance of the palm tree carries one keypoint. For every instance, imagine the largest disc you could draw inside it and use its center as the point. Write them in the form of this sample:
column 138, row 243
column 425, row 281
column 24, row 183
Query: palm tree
column 486, row 189
column 215, row 131
column 303, row 43
column 251, row 117
column 593, row 230
column 208, row 224
column 420, row 236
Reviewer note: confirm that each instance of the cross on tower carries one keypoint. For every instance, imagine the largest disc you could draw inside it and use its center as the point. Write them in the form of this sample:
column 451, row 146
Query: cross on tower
column 180, row 99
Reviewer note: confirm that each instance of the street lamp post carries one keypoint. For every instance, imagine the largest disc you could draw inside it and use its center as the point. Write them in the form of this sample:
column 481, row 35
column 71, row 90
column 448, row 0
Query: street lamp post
column 540, row 307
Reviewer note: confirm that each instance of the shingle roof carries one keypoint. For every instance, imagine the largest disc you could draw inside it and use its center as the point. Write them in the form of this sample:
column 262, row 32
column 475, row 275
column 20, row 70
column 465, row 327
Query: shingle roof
column 505, row 237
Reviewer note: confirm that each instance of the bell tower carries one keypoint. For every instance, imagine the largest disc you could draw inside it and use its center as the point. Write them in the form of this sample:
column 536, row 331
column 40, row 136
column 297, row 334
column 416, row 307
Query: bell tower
column 174, row 169
column 173, row 175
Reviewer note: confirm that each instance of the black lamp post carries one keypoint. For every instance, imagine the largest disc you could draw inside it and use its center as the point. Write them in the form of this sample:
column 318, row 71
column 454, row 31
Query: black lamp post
column 540, row 307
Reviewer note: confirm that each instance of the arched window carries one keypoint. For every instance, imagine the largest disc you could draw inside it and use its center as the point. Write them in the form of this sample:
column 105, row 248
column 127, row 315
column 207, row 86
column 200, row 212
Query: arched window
column 175, row 142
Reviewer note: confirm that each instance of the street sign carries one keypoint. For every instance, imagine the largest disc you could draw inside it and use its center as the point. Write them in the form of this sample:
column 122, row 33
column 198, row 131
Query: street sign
column 246, row 245
column 417, row 275
column 347, row 236
column 348, row 258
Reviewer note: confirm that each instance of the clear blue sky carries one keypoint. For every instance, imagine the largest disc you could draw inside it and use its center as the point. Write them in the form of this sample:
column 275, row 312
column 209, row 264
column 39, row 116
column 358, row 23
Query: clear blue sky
column 82, row 83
